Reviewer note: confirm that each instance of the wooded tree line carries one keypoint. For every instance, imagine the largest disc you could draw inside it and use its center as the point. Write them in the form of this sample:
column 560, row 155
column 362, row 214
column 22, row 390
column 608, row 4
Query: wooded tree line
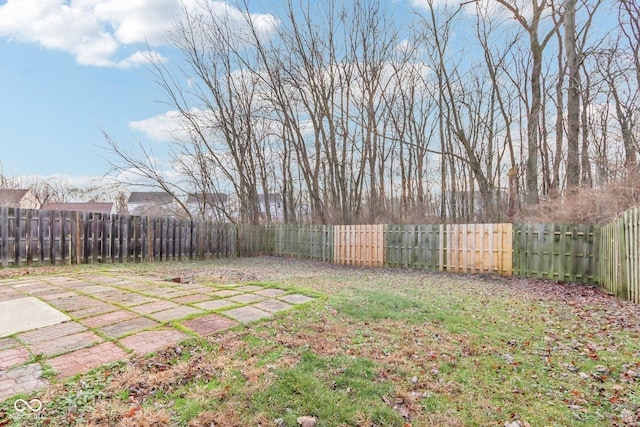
column 355, row 114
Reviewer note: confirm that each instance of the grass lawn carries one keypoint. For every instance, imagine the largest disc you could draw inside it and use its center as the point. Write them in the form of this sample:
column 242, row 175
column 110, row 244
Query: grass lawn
column 377, row 348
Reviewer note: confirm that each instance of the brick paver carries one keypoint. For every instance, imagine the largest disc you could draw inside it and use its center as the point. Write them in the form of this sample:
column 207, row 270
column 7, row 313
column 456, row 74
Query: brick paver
column 109, row 318
column 123, row 328
column 138, row 299
column 272, row 305
column 192, row 298
column 71, row 348
column 24, row 379
column 57, row 294
column 296, row 298
column 246, row 298
column 225, row 293
column 154, row 306
column 247, row 314
column 64, row 344
column 51, row 332
column 8, row 294
column 174, row 293
column 150, row 341
column 209, row 324
column 13, row 356
column 271, row 292
column 215, row 304
column 248, row 288
column 86, row 359
column 98, row 308
column 6, row 343
column 175, row 313
column 73, row 303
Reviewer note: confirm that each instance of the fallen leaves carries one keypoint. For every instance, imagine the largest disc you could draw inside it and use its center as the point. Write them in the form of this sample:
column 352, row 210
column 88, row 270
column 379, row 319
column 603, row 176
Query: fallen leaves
column 307, row 421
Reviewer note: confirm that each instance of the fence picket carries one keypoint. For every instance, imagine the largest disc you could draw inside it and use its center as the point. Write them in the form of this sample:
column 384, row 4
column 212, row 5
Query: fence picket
column 607, row 255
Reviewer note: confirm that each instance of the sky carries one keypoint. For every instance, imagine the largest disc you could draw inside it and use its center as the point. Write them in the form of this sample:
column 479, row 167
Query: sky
column 71, row 68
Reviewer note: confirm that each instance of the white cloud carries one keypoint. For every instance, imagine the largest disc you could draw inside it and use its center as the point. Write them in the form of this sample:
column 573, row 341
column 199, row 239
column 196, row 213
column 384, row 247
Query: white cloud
column 161, row 128
column 138, row 21
column 479, row 7
column 95, row 32
column 173, row 125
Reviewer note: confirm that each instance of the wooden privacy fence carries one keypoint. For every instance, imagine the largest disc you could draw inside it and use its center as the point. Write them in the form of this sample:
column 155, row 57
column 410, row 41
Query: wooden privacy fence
column 307, row 241
column 478, row 248
column 558, row 252
column 361, row 245
column 62, row 237
column 608, row 255
column 620, row 261
column 414, row 246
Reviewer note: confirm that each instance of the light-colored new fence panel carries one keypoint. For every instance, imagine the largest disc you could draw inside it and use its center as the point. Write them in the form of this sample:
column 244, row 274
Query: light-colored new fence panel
column 478, row 248
column 620, row 256
column 361, row 245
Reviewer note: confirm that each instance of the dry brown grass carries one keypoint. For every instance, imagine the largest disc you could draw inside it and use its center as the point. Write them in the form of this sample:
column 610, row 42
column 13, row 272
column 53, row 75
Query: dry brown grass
column 587, row 205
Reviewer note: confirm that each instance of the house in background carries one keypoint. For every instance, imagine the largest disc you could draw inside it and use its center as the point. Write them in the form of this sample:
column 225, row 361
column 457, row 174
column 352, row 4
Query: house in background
column 275, row 207
column 106, row 208
column 153, row 203
column 23, row 199
column 208, row 206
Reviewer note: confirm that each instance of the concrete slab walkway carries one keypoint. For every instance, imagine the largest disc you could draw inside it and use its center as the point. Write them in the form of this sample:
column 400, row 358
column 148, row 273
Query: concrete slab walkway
column 112, row 316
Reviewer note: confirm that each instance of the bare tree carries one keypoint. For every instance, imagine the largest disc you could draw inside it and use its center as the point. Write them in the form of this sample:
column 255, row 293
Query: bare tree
column 537, row 45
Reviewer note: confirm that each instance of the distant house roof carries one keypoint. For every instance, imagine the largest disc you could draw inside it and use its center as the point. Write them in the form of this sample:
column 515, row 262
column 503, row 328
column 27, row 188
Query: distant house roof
column 10, row 197
column 95, row 207
column 273, row 198
column 210, row 198
column 150, row 197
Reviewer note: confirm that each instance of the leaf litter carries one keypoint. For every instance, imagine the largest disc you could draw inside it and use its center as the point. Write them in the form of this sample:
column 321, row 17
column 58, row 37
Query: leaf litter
column 487, row 348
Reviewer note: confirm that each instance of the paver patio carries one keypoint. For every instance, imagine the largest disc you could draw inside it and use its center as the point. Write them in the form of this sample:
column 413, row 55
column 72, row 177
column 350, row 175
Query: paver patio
column 114, row 316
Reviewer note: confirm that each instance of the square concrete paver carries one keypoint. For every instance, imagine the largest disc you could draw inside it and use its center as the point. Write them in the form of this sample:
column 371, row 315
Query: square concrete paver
column 123, row 328
column 247, row 314
column 150, row 341
column 175, row 313
column 215, row 304
column 296, row 298
column 24, row 314
column 246, row 298
column 272, row 305
column 24, row 379
column 84, row 360
column 209, row 324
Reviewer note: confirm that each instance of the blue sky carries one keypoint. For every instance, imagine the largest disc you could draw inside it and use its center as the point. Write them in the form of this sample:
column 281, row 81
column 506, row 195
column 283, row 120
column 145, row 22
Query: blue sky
column 68, row 68
column 71, row 67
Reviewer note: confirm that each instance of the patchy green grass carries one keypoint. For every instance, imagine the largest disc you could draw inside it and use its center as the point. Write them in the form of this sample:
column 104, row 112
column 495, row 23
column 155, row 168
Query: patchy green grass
column 379, row 348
